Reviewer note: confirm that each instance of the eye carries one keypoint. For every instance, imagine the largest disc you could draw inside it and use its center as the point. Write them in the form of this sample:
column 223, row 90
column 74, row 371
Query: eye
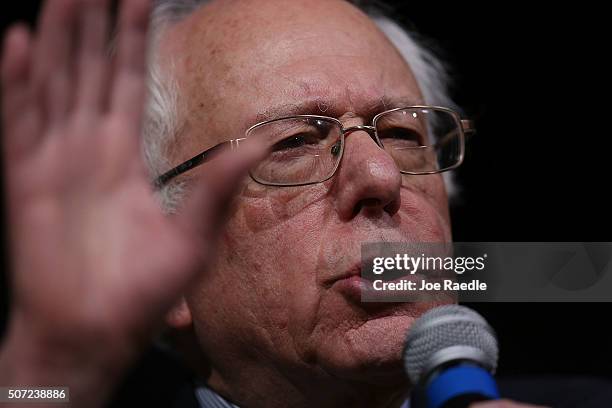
column 405, row 135
column 295, row 141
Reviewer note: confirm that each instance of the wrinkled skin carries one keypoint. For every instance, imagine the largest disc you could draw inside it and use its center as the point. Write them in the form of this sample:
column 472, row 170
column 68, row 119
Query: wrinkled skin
column 271, row 314
column 94, row 261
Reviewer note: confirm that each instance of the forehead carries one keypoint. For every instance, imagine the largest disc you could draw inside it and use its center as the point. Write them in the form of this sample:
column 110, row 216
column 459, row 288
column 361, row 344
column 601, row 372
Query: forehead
column 264, row 59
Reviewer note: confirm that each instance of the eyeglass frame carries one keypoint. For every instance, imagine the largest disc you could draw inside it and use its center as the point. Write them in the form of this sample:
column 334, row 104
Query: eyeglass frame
column 465, row 126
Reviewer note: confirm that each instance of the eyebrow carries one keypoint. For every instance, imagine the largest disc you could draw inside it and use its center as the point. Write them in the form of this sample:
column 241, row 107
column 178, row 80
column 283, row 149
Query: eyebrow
column 326, row 107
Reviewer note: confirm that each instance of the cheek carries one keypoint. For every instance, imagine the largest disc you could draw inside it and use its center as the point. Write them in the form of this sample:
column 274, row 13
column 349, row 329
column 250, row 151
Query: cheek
column 425, row 206
column 265, row 263
column 270, row 208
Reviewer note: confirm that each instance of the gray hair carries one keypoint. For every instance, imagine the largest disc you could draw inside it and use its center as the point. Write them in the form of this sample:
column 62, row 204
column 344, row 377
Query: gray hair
column 162, row 122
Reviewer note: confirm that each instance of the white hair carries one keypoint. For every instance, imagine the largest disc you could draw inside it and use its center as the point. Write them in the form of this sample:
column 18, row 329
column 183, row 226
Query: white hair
column 162, row 123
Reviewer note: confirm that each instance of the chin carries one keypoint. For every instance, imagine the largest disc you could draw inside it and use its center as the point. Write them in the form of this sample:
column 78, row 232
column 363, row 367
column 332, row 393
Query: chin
column 372, row 352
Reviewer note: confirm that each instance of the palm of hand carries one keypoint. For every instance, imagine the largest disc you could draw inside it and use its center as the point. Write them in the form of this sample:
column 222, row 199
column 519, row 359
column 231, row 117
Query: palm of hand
column 91, row 251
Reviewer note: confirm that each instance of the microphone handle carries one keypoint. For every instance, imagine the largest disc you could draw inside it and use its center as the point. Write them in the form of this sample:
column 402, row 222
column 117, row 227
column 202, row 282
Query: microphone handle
column 460, row 385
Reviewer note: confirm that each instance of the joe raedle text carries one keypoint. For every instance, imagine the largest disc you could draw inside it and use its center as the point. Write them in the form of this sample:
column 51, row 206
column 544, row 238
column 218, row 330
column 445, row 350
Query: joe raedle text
column 424, row 285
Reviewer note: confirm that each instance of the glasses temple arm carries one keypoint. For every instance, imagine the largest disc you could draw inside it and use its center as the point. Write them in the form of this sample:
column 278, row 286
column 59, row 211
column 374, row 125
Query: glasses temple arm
column 468, row 130
column 468, row 127
column 195, row 161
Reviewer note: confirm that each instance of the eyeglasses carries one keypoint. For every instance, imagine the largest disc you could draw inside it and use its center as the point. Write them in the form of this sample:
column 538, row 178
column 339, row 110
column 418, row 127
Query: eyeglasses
column 307, row 149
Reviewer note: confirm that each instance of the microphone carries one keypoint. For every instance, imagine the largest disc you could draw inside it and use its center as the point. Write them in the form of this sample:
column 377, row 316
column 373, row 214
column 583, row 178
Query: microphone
column 450, row 354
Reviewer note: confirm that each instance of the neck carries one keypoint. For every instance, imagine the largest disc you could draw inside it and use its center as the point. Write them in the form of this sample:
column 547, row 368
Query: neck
column 264, row 386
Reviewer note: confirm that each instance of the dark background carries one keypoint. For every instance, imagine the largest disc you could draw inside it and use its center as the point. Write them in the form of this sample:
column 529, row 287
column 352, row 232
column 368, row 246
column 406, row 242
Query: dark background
column 538, row 169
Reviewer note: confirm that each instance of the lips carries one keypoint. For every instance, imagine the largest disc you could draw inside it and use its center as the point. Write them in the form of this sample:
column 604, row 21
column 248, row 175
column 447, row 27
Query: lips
column 360, row 290
column 353, row 285
column 353, row 271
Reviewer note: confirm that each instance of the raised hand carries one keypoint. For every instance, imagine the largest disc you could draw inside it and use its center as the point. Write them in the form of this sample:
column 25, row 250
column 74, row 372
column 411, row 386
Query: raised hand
column 94, row 262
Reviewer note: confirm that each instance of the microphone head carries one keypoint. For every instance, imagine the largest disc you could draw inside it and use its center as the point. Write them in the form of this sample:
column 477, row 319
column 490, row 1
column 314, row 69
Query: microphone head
column 447, row 334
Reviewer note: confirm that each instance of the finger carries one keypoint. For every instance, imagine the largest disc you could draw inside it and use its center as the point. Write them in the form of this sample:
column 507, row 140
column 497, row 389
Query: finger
column 204, row 211
column 19, row 120
column 128, row 89
column 92, row 61
column 52, row 59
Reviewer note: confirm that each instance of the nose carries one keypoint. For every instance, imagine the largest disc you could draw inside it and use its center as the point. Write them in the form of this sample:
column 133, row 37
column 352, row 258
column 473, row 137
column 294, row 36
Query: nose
column 368, row 181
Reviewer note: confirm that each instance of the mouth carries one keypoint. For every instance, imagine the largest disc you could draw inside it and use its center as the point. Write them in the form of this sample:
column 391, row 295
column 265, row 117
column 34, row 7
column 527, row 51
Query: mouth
column 353, row 285
column 351, row 273
column 356, row 287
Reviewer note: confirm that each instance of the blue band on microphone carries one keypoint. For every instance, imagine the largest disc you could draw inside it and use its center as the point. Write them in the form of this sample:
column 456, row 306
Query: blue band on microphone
column 460, row 380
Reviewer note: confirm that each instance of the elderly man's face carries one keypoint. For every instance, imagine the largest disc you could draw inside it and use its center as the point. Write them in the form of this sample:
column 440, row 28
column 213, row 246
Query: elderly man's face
column 281, row 293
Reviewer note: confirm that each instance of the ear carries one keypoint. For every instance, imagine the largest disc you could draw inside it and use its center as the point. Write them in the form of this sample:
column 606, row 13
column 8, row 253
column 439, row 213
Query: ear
column 179, row 317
